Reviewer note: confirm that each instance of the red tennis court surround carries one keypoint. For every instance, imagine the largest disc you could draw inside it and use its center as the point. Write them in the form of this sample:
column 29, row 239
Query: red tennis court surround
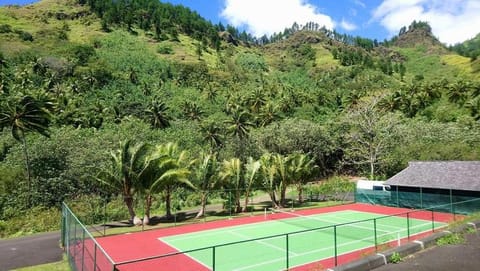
column 140, row 245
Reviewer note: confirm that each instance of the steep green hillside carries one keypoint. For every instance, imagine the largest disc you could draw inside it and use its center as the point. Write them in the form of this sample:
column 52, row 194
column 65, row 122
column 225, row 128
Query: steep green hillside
column 89, row 78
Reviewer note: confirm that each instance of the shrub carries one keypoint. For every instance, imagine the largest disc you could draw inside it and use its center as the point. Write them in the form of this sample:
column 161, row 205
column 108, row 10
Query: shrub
column 24, row 35
column 451, row 239
column 165, row 49
column 5, row 28
column 395, row 258
column 35, row 220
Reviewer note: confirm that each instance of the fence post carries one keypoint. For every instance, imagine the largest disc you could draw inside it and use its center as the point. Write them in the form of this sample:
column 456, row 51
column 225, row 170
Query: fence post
column 213, row 258
column 286, row 251
column 375, row 232
column 95, row 257
column 408, row 225
column 83, row 249
column 398, row 202
column 105, row 217
column 433, row 221
column 63, row 226
column 335, row 242
column 421, row 198
column 451, row 203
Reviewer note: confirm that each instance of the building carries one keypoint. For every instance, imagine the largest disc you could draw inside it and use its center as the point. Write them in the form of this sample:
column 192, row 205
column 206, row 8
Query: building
column 446, row 185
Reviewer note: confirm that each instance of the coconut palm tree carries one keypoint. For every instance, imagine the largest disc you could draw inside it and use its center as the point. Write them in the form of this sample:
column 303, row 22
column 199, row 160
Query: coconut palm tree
column 157, row 114
column 269, row 113
column 206, row 179
column 281, row 163
column 231, row 174
column 127, row 164
column 192, row 111
column 239, row 123
column 26, row 114
column 166, row 169
column 256, row 99
column 301, row 168
column 252, row 172
column 212, row 134
column 269, row 176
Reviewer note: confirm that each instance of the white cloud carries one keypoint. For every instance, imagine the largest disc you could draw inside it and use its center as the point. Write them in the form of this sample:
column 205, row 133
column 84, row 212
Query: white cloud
column 347, row 25
column 359, row 3
column 452, row 21
column 261, row 17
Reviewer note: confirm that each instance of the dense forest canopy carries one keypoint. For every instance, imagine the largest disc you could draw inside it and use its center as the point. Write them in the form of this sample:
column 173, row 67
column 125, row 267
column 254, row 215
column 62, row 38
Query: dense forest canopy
column 85, row 85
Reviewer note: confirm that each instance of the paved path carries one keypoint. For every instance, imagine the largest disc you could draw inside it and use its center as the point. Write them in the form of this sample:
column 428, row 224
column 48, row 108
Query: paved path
column 30, row 250
column 459, row 257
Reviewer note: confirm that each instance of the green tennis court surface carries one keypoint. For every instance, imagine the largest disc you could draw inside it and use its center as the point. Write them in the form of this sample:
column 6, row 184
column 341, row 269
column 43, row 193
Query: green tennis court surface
column 302, row 239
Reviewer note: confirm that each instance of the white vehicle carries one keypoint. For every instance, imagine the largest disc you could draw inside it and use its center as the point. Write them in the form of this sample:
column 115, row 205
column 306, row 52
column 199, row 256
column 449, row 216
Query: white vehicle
column 372, row 185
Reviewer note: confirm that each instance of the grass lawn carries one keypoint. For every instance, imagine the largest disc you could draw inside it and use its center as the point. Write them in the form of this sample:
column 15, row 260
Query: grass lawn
column 56, row 266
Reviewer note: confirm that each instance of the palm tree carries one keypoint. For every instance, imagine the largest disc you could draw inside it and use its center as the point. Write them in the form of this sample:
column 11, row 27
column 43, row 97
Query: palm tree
column 212, row 134
column 252, row 172
column 458, row 91
column 211, row 93
column 269, row 176
column 127, row 164
column 157, row 114
column 268, row 114
column 281, row 163
column 27, row 114
column 231, row 173
column 239, row 123
column 192, row 111
column 167, row 168
column 256, row 100
column 206, row 179
column 301, row 169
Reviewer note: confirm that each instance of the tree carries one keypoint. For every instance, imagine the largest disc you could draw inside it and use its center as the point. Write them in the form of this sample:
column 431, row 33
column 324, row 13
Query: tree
column 165, row 169
column 231, row 174
column 269, row 178
column 26, row 114
column 157, row 114
column 281, row 164
column 302, row 169
column 268, row 114
column 256, row 99
column 212, row 134
column 252, row 171
column 192, row 111
column 206, row 179
column 371, row 135
column 239, row 123
column 127, row 164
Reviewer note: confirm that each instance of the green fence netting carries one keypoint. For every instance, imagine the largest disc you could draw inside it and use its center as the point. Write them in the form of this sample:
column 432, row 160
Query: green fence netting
column 452, row 201
column 82, row 250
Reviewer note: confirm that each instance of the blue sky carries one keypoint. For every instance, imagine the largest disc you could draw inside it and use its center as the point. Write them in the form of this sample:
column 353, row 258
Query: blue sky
column 452, row 20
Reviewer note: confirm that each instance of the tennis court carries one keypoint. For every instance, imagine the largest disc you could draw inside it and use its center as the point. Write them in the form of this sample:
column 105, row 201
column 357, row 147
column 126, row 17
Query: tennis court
column 301, row 239
column 274, row 241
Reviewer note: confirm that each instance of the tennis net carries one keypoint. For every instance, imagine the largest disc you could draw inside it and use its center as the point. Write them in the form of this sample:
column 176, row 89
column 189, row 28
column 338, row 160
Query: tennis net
column 359, row 230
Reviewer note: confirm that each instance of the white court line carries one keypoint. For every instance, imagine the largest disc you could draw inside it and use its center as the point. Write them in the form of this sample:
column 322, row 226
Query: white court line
column 315, row 251
column 188, row 255
column 262, row 242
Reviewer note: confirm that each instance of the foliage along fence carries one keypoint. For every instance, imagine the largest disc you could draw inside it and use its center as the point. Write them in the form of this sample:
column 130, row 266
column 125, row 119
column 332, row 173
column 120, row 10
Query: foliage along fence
column 102, row 214
column 445, row 200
